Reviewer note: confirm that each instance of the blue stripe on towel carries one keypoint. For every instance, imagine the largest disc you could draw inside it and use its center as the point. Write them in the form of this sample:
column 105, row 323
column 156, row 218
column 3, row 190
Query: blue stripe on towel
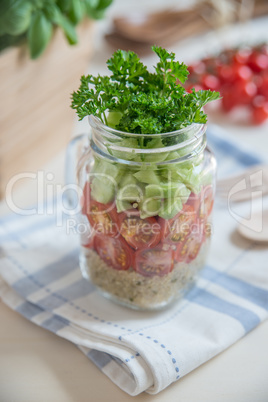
column 17, row 234
column 11, row 217
column 225, row 147
column 101, row 359
column 247, row 318
column 29, row 310
column 239, row 287
column 50, row 273
column 55, row 324
column 74, row 291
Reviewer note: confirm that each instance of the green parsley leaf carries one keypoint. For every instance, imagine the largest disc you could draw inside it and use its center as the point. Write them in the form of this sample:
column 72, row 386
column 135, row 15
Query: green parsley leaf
column 144, row 102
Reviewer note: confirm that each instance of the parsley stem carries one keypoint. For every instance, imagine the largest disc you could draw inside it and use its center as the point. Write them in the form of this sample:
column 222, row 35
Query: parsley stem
column 105, row 121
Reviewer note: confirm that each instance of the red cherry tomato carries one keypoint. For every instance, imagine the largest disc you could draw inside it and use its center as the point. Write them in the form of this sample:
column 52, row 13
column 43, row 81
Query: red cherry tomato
column 225, row 73
column 263, row 84
column 176, row 230
column 258, row 61
column 242, row 72
column 229, row 97
column 194, row 200
column 206, row 230
column 242, row 56
column 238, row 74
column 206, row 202
column 114, row 251
column 139, row 233
column 85, row 199
column 154, row 261
column 210, row 81
column 188, row 250
column 245, row 91
column 102, row 217
column 260, row 113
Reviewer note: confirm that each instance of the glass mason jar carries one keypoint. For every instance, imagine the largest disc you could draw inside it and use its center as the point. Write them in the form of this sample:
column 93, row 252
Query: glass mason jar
column 146, row 212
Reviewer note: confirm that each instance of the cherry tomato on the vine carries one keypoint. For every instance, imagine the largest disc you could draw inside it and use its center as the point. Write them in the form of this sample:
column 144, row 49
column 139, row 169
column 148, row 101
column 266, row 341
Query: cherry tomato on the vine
column 239, row 75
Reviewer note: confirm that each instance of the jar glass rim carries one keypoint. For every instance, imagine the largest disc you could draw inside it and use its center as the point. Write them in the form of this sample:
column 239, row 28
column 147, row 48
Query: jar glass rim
column 97, row 123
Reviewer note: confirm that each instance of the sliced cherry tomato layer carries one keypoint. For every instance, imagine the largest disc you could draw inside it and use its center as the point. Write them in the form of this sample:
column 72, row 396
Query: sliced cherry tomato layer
column 154, row 261
column 207, row 230
column 102, row 217
column 114, row 251
column 139, row 233
column 176, row 230
column 206, row 203
column 194, row 200
column 189, row 249
column 85, row 199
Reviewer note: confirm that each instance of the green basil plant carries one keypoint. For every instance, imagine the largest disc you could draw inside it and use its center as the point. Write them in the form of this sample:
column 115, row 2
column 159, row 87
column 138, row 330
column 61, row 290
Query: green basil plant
column 33, row 20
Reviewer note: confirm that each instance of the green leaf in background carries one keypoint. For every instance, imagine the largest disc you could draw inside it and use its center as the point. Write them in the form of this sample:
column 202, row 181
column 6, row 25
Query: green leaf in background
column 103, row 4
column 64, row 5
column 15, row 17
column 96, row 8
column 10, row 40
column 55, row 15
column 68, row 29
column 39, row 34
column 20, row 19
column 76, row 11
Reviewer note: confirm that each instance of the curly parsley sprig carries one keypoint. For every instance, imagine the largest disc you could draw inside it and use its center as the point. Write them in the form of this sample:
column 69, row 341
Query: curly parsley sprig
column 147, row 102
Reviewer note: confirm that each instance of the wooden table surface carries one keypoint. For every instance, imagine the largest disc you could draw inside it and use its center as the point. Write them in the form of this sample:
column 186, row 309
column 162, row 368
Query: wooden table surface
column 38, row 366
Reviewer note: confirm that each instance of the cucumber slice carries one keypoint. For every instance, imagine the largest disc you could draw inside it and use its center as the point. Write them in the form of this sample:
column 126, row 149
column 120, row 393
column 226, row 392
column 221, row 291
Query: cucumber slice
column 128, row 143
column 157, row 157
column 131, row 193
column 113, row 119
column 149, row 207
column 102, row 189
column 104, row 167
column 188, row 176
column 167, row 190
column 147, row 176
column 127, row 178
column 122, row 206
column 170, row 208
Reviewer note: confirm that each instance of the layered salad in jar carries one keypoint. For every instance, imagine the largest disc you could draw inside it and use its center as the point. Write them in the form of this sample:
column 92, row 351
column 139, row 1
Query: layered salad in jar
column 147, row 179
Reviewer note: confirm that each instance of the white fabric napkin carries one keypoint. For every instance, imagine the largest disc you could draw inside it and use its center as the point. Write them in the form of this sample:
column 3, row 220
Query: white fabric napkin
column 139, row 351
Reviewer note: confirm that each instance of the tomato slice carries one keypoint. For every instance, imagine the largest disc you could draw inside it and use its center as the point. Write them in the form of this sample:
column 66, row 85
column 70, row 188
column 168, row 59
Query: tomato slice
column 176, row 230
column 194, row 200
column 154, row 261
column 139, row 233
column 206, row 202
column 85, row 199
column 115, row 252
column 102, row 217
column 207, row 231
column 189, row 250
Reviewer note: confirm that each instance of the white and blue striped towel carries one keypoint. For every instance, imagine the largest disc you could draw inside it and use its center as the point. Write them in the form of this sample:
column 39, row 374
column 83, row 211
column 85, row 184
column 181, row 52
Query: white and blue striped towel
column 138, row 351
